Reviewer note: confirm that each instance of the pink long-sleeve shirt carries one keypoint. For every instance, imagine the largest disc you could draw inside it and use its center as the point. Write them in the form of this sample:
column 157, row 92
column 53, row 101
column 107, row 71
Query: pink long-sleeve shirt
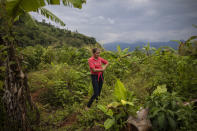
column 96, row 64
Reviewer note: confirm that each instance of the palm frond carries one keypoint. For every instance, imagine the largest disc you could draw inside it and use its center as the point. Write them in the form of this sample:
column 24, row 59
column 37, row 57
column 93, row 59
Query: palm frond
column 30, row 19
column 50, row 15
column 17, row 7
column 74, row 3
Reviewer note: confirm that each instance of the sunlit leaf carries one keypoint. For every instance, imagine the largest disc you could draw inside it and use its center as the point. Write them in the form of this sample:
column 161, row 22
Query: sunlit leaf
column 108, row 112
column 120, row 92
column 109, row 123
column 160, row 89
column 126, row 103
column 118, row 49
column 113, row 105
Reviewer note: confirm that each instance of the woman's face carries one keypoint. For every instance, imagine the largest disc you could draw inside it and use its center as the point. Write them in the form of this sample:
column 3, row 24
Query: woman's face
column 97, row 53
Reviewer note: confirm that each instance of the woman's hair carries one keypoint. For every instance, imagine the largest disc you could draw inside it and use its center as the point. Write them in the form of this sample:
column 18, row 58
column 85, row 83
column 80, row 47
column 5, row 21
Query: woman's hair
column 94, row 50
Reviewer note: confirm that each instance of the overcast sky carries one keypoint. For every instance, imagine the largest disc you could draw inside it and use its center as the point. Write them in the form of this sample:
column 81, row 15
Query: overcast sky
column 131, row 20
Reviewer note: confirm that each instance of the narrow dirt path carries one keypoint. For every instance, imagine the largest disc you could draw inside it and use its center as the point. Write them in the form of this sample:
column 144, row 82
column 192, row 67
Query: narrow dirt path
column 35, row 95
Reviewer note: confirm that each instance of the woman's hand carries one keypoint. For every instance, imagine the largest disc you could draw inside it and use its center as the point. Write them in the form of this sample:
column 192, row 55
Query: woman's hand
column 101, row 70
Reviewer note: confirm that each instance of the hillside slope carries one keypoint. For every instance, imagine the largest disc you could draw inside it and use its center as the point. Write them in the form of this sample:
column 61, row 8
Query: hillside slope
column 46, row 34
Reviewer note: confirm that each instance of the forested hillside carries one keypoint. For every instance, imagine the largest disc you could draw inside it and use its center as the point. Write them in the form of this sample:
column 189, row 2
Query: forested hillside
column 45, row 81
column 30, row 34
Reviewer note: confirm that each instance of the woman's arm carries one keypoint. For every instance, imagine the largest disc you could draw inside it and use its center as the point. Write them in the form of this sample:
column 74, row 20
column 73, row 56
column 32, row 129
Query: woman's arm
column 105, row 66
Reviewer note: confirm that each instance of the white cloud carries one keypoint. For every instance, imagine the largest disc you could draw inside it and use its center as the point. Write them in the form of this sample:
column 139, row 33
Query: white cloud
column 101, row 17
column 131, row 20
column 111, row 21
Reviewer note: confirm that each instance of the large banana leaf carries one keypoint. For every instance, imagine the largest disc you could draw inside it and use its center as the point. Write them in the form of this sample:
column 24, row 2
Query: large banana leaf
column 120, row 92
column 17, row 7
column 50, row 16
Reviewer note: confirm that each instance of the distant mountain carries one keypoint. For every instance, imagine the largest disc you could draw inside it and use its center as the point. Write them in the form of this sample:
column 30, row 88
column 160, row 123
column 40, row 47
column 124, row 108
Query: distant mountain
column 112, row 46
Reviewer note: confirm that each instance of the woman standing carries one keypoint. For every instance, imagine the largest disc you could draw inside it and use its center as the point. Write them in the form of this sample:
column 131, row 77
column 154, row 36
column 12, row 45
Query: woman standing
column 95, row 64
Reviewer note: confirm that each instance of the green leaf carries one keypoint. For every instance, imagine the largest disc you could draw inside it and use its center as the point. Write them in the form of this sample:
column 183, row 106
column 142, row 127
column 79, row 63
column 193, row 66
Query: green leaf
column 109, row 123
column 102, row 108
column 118, row 49
column 126, row 50
column 50, row 16
column 161, row 120
column 53, row 2
column 172, row 123
column 155, row 111
column 160, row 89
column 120, row 92
column 17, row 7
column 75, row 3
column 113, row 105
column 191, row 38
column 126, row 103
column 108, row 112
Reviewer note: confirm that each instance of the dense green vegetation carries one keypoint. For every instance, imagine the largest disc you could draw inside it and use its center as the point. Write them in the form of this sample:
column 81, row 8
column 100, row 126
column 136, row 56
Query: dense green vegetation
column 162, row 80
column 159, row 79
column 28, row 33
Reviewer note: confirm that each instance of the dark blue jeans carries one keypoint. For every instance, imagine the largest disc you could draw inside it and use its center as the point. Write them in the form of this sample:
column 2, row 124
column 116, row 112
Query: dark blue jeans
column 97, row 86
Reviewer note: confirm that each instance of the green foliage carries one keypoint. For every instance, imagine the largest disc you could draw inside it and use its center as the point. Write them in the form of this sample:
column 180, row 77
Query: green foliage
column 32, row 56
column 160, row 89
column 63, row 71
column 88, row 119
column 118, row 110
column 105, row 110
column 45, row 34
column 109, row 123
column 187, row 117
column 15, row 8
column 65, row 84
column 165, row 109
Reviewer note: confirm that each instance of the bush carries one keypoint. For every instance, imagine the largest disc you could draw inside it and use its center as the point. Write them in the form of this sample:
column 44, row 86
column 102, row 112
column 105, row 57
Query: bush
column 167, row 112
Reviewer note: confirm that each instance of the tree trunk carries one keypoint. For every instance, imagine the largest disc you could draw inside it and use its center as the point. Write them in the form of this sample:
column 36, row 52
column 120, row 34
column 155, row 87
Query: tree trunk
column 17, row 99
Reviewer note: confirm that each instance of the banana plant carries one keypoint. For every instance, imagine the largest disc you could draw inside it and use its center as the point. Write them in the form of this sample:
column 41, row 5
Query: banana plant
column 148, row 49
column 122, row 53
column 185, row 48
